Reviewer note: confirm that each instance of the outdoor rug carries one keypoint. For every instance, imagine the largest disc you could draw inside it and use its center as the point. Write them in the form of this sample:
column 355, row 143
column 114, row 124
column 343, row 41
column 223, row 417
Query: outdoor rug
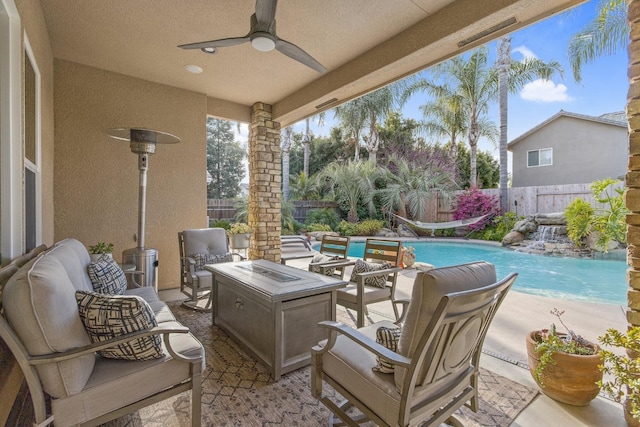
column 237, row 390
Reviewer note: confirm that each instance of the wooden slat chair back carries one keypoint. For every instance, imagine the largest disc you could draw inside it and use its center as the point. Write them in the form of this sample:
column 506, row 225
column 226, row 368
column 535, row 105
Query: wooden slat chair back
column 358, row 293
column 332, row 246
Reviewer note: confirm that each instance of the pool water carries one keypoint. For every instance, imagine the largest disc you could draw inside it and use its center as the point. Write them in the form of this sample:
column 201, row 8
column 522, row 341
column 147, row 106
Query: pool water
column 567, row 278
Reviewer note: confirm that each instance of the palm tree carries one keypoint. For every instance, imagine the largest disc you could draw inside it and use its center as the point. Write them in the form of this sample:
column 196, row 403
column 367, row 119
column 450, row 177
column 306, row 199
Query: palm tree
column 409, row 188
column 367, row 111
column 607, row 32
column 444, row 117
column 306, row 142
column 475, row 84
column 470, row 81
column 303, row 188
column 512, row 76
column 504, row 63
column 286, row 147
column 351, row 183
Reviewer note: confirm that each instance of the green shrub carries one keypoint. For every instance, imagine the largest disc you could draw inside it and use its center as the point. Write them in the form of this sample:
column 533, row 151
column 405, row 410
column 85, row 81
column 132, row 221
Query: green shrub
column 609, row 221
column 443, row 232
column 348, row 228
column 220, row 223
column 326, row 216
column 369, row 227
column 579, row 215
column 318, row 227
column 499, row 227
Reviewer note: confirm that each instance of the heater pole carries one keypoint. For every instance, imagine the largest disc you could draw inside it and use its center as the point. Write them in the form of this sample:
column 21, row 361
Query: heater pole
column 143, row 165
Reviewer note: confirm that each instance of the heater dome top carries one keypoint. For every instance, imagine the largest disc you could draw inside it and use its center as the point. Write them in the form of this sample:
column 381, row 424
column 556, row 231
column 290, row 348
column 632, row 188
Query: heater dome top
column 142, row 135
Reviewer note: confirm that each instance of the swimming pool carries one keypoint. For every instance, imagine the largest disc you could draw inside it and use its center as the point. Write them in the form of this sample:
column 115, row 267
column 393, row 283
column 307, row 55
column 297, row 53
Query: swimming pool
column 568, row 278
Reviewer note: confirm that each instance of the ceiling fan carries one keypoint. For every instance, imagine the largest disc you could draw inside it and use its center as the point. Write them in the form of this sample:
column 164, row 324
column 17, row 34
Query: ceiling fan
column 262, row 36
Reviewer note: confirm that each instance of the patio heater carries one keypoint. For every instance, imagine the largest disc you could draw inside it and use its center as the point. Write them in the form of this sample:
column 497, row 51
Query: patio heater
column 143, row 143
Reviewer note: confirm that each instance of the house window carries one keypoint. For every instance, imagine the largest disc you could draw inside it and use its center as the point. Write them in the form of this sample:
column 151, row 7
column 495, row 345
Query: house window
column 31, row 191
column 543, row 157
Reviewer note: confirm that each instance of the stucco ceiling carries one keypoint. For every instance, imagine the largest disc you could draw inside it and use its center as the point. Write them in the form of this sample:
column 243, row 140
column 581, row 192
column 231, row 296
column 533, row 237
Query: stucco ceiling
column 364, row 44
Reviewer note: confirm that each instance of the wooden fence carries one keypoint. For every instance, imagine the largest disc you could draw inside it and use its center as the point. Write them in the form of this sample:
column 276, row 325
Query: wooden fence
column 223, row 209
column 524, row 200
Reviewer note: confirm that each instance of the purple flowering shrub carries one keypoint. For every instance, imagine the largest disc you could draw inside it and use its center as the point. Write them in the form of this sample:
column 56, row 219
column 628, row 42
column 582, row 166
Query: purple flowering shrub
column 473, row 203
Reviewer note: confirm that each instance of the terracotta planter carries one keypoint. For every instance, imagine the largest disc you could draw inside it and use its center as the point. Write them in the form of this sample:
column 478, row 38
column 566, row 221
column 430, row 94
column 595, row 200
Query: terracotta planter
column 631, row 422
column 572, row 379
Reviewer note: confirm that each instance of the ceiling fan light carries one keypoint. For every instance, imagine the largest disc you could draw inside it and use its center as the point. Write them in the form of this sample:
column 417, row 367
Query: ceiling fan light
column 211, row 50
column 263, row 44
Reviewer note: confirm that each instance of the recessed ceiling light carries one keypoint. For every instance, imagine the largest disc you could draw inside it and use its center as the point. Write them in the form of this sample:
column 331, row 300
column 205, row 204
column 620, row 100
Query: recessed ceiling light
column 210, row 50
column 193, row 69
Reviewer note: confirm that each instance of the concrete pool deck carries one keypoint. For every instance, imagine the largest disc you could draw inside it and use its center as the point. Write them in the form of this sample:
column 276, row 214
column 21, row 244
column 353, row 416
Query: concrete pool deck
column 504, row 350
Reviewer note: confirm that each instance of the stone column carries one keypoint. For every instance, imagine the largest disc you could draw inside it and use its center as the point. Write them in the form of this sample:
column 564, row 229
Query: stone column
column 632, row 195
column 264, row 184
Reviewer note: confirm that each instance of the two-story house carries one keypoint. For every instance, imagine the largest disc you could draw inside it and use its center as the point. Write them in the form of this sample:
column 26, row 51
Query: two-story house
column 570, row 148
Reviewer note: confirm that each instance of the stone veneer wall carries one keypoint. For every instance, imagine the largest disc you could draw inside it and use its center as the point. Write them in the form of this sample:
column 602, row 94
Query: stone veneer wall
column 265, row 185
column 632, row 195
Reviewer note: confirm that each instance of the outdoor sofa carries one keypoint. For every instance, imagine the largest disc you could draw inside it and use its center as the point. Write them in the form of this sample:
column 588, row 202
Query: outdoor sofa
column 42, row 326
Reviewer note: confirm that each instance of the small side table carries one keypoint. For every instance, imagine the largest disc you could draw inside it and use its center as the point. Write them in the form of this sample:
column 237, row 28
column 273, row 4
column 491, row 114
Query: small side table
column 131, row 272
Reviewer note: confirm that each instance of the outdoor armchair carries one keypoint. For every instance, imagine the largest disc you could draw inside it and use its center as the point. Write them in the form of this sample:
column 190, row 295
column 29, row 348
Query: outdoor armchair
column 200, row 246
column 333, row 251
column 428, row 368
column 373, row 278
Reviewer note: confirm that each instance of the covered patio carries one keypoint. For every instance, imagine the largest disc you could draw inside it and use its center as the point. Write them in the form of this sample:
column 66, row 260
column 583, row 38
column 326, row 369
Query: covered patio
column 72, row 69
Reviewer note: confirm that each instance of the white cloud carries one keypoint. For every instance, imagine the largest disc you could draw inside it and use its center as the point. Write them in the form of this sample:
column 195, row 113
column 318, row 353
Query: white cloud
column 544, row 91
column 525, row 52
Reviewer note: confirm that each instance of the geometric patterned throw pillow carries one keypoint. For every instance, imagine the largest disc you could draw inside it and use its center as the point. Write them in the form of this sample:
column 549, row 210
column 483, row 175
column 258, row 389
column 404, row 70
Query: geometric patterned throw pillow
column 202, row 259
column 110, row 316
column 106, row 276
column 318, row 257
column 365, row 267
column 389, row 338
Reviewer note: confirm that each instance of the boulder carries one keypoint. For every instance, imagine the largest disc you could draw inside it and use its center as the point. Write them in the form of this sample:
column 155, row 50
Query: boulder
column 527, row 225
column 556, row 218
column 512, row 237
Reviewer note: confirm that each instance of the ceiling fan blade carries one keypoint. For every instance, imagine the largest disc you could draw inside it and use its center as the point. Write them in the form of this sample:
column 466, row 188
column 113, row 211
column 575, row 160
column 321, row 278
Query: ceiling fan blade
column 216, row 43
column 294, row 52
column 265, row 14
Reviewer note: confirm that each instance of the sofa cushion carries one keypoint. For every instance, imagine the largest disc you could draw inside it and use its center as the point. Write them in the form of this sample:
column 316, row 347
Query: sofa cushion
column 348, row 359
column 366, row 267
column 110, row 316
column 389, row 338
column 40, row 306
column 74, row 258
column 104, row 390
column 106, row 276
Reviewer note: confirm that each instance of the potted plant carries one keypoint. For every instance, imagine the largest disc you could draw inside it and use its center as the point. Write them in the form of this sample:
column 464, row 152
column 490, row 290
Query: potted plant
column 100, row 248
column 565, row 365
column 239, row 235
column 623, row 371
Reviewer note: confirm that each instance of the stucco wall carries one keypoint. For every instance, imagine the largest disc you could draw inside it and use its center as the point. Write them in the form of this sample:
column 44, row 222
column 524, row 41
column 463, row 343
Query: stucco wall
column 96, row 177
column 32, row 21
column 583, row 151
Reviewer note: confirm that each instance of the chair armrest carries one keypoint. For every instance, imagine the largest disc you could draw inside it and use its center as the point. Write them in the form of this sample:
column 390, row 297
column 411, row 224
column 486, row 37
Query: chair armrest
column 236, row 254
column 343, row 263
column 92, row 348
column 403, row 315
column 358, row 337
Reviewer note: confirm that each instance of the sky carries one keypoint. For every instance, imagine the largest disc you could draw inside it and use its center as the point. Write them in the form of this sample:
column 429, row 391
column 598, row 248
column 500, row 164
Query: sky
column 603, row 88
